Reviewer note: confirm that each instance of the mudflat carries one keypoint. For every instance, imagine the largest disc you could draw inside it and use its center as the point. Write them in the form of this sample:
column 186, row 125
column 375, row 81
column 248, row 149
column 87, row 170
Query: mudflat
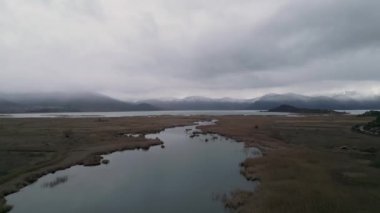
column 312, row 163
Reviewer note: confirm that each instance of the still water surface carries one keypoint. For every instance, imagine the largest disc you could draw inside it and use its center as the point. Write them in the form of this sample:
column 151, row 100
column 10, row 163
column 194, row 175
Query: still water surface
column 185, row 176
column 140, row 113
column 157, row 113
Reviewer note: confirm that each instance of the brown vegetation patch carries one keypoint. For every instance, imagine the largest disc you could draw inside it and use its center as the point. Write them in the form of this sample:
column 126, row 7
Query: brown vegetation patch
column 305, row 169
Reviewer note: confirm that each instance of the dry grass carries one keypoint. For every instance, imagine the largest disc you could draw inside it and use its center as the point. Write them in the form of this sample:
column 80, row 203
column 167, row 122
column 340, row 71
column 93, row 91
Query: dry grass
column 311, row 164
column 4, row 207
column 305, row 169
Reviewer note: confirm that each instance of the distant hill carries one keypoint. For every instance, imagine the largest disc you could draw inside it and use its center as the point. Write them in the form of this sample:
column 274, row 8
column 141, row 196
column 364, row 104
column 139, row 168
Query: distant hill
column 66, row 102
column 371, row 114
column 8, row 106
column 292, row 109
column 317, row 102
column 269, row 101
column 91, row 102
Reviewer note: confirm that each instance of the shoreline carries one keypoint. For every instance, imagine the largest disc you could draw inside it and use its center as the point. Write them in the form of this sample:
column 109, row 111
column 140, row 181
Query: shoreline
column 88, row 158
column 89, row 155
column 316, row 157
column 314, row 167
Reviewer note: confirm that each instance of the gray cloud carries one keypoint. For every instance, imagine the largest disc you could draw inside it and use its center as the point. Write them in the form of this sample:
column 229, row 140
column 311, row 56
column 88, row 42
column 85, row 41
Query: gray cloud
column 176, row 48
column 299, row 33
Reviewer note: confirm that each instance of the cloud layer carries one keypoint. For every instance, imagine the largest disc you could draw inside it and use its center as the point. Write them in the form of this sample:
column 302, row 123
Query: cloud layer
column 144, row 49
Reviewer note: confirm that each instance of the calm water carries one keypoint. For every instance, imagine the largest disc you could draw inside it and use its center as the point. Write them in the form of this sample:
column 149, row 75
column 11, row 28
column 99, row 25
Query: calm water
column 141, row 113
column 186, row 176
column 156, row 113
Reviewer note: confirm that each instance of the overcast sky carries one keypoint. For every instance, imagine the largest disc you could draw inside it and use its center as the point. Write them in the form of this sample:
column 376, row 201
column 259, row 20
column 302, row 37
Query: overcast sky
column 174, row 48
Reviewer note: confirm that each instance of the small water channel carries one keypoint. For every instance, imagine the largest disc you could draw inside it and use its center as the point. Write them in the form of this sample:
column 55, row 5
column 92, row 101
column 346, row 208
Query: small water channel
column 184, row 176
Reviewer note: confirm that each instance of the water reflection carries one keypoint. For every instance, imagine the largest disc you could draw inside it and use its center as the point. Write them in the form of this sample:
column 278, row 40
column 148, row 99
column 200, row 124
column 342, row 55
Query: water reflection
column 57, row 181
column 186, row 176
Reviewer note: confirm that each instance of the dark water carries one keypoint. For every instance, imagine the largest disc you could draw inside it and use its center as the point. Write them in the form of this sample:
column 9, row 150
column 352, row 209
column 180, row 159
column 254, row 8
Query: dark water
column 186, row 176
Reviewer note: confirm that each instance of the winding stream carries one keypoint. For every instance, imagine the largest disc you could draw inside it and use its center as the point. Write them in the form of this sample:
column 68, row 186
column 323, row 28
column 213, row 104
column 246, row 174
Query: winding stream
column 185, row 176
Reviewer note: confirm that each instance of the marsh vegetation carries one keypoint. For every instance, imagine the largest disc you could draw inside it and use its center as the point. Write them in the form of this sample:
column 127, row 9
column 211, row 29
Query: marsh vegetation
column 309, row 164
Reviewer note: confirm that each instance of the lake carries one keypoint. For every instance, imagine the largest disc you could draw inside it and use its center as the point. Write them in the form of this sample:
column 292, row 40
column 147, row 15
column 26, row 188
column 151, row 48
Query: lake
column 187, row 175
column 140, row 113
column 156, row 113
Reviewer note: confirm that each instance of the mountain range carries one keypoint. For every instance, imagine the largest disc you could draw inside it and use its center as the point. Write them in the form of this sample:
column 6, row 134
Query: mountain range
column 66, row 102
column 341, row 101
column 269, row 101
column 200, row 103
column 92, row 102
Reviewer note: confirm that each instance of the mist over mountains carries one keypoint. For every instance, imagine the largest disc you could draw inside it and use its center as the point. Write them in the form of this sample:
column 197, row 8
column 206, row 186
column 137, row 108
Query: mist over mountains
column 341, row 101
column 200, row 103
column 92, row 102
column 66, row 102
